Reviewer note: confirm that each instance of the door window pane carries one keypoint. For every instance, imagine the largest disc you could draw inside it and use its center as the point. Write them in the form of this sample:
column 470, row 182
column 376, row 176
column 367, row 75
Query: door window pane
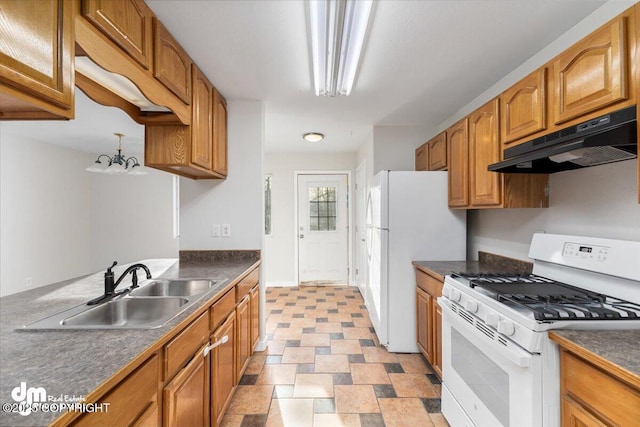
column 322, row 208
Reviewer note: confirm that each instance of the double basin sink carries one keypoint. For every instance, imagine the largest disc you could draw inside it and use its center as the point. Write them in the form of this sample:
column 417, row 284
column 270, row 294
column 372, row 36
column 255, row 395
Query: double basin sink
column 148, row 306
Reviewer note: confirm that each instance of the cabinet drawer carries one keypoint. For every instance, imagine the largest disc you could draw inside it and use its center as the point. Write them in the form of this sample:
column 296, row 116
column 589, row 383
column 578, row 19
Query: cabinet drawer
column 428, row 284
column 180, row 349
column 132, row 400
column 246, row 284
column 221, row 309
column 585, row 383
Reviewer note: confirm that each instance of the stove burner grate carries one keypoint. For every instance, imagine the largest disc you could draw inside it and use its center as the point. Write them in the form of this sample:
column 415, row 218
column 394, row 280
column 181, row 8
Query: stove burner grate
column 552, row 300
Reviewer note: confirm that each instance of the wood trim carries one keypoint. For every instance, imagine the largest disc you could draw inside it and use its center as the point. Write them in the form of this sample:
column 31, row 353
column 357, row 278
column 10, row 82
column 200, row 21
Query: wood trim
column 107, row 55
column 104, row 96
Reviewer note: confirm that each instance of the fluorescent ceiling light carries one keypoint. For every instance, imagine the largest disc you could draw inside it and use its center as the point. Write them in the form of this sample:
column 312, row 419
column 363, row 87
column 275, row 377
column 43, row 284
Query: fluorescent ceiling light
column 338, row 30
column 116, row 83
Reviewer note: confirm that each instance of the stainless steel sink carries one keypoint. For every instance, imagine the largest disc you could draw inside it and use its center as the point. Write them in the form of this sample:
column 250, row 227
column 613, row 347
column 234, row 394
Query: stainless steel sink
column 149, row 306
column 174, row 287
column 128, row 312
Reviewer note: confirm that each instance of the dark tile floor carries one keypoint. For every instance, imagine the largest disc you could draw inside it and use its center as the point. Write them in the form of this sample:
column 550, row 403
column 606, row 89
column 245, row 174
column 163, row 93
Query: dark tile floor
column 322, row 368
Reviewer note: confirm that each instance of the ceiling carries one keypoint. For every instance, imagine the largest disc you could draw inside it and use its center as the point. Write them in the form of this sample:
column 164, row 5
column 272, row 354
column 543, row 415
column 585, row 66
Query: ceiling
column 423, row 61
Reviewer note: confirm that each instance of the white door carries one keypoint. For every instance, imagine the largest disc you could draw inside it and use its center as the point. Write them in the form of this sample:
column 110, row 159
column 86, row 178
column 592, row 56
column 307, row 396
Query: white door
column 323, row 229
column 361, row 228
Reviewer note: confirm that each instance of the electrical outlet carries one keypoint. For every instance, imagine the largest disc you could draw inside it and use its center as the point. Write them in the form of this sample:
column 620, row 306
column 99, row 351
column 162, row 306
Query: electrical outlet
column 226, row 230
column 215, row 230
column 28, row 282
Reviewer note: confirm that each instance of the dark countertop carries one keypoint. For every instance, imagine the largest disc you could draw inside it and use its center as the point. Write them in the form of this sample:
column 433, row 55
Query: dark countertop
column 76, row 362
column 488, row 263
column 613, row 349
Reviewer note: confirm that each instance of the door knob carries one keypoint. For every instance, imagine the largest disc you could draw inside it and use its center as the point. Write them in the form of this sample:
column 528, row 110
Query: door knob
column 302, row 236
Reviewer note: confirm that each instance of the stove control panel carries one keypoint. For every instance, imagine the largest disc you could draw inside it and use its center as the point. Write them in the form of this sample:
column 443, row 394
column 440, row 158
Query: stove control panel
column 586, row 252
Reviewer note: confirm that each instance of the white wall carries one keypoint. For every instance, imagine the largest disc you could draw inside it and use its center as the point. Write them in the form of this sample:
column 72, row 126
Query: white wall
column 394, row 147
column 44, row 215
column 238, row 200
column 131, row 218
column 279, row 249
column 59, row 221
column 600, row 201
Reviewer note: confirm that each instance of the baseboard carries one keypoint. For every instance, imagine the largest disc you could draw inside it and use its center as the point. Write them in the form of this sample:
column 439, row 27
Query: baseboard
column 280, row 284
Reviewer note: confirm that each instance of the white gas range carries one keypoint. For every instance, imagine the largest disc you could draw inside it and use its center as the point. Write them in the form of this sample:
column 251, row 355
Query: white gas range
column 499, row 367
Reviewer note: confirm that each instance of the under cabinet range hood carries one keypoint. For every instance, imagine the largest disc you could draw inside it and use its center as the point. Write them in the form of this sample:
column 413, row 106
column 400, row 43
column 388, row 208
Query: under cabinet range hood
column 605, row 139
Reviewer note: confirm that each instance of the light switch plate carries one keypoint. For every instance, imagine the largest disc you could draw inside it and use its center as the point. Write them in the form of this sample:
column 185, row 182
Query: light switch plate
column 215, row 230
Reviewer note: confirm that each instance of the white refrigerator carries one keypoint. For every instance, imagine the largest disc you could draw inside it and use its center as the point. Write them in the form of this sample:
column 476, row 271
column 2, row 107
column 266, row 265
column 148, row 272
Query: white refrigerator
column 408, row 219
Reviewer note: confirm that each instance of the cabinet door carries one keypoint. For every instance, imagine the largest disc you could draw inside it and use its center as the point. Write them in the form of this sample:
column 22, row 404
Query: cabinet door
column 201, row 153
column 438, row 153
column 255, row 316
column 172, row 65
column 219, row 134
column 523, row 107
column 126, row 22
column 244, row 335
column 591, row 74
column 484, row 149
column 437, row 338
column 574, row 415
column 458, row 155
column 422, row 157
column 36, row 51
column 186, row 397
column 423, row 309
column 223, row 368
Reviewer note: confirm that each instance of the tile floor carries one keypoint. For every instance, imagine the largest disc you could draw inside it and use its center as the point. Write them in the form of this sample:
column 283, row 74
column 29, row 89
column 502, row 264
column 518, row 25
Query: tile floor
column 323, row 368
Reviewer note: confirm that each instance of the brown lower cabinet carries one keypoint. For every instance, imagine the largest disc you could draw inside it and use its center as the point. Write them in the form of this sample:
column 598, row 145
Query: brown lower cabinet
column 594, row 392
column 186, row 379
column 186, row 397
column 429, row 318
column 223, row 372
column 243, row 317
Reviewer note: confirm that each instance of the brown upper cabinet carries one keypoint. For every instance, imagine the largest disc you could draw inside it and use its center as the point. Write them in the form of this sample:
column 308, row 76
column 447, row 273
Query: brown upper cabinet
column 201, row 120
column 592, row 74
column 127, row 23
column 438, row 152
column 172, row 64
column 432, row 155
column 484, row 149
column 37, row 83
column 198, row 151
column 474, row 144
column 422, row 157
column 524, row 107
column 219, row 131
column 458, row 159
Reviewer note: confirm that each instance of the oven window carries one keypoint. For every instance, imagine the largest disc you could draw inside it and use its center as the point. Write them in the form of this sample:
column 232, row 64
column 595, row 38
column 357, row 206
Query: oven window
column 488, row 381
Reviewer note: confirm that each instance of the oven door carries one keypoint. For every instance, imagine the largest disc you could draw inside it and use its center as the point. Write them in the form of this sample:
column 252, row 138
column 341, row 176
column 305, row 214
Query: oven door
column 486, row 382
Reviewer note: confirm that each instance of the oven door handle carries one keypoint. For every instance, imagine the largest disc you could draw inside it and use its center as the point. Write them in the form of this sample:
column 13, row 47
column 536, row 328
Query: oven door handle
column 517, row 356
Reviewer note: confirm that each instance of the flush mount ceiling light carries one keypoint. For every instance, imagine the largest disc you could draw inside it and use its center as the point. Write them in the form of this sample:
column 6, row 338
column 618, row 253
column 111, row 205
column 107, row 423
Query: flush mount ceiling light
column 313, row 137
column 338, row 29
column 117, row 164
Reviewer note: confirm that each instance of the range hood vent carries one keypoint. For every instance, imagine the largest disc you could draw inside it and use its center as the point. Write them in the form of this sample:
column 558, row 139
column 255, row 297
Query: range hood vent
column 606, row 139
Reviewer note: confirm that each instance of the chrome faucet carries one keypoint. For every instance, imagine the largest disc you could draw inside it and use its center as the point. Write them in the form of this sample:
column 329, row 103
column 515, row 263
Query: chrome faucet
column 110, row 286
